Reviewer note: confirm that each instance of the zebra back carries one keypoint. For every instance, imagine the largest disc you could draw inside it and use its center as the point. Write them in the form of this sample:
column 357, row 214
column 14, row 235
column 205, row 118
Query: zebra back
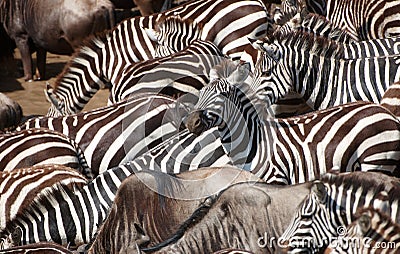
column 38, row 248
column 26, row 148
column 103, row 58
column 181, row 73
column 115, row 134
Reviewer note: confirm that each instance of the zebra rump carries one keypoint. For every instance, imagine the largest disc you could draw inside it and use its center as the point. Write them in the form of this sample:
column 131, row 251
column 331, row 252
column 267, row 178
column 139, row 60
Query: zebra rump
column 26, row 148
column 118, row 133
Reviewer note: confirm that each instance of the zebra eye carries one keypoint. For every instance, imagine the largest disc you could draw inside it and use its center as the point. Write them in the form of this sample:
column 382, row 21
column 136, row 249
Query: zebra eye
column 267, row 72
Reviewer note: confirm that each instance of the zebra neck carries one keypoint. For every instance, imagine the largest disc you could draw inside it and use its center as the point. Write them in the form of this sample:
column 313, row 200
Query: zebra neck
column 352, row 197
column 245, row 140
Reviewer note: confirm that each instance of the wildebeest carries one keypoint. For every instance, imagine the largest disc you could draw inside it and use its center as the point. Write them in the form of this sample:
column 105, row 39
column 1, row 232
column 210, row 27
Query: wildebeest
column 244, row 216
column 7, row 63
column 10, row 112
column 149, row 206
column 57, row 26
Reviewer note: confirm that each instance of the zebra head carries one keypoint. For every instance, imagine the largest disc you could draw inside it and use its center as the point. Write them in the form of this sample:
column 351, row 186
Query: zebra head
column 331, row 206
column 272, row 80
column 56, row 105
column 289, row 8
column 211, row 109
column 372, row 231
column 173, row 34
column 10, row 238
column 312, row 223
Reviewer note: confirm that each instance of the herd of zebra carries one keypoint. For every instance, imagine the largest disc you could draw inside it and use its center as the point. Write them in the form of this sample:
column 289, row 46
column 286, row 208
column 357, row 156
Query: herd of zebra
column 229, row 129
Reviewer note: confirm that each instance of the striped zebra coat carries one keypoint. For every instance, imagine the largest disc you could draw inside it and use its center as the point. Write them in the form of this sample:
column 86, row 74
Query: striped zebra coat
column 362, row 18
column 101, row 60
column 67, row 217
column 38, row 248
column 181, row 73
column 115, row 134
column 26, row 148
column 317, row 69
column 320, row 26
column 332, row 206
column 371, row 232
column 19, row 187
column 350, row 137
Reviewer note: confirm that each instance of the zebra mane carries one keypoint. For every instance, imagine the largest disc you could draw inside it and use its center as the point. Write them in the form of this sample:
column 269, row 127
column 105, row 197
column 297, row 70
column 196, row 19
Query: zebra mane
column 308, row 42
column 372, row 211
column 93, row 42
column 178, row 23
column 228, row 67
column 335, row 33
column 365, row 180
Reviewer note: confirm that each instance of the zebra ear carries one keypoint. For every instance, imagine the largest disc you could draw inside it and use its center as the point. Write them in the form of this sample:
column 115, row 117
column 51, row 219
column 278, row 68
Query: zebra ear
column 153, row 34
column 319, row 190
column 50, row 97
column 241, row 73
column 364, row 222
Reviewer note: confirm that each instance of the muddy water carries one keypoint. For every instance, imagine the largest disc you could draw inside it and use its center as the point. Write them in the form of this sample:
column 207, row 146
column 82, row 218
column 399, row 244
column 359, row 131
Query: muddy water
column 30, row 95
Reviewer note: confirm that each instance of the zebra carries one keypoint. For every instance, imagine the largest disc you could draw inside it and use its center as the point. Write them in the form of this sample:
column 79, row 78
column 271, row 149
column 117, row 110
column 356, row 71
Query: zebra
column 332, row 204
column 316, row 69
column 317, row 24
column 176, row 33
column 67, row 217
column 115, row 134
column 320, row 26
column 371, row 232
column 364, row 19
column 33, row 147
column 391, row 99
column 42, row 247
column 298, row 149
column 20, row 186
column 101, row 59
column 181, row 73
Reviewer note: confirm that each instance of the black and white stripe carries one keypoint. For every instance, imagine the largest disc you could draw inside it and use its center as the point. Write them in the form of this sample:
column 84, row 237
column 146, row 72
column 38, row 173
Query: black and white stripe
column 118, row 133
column 332, row 204
column 28, row 148
column 71, row 218
column 103, row 58
column 317, row 69
column 364, row 19
column 184, row 72
column 20, row 186
column 371, row 232
column 354, row 136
